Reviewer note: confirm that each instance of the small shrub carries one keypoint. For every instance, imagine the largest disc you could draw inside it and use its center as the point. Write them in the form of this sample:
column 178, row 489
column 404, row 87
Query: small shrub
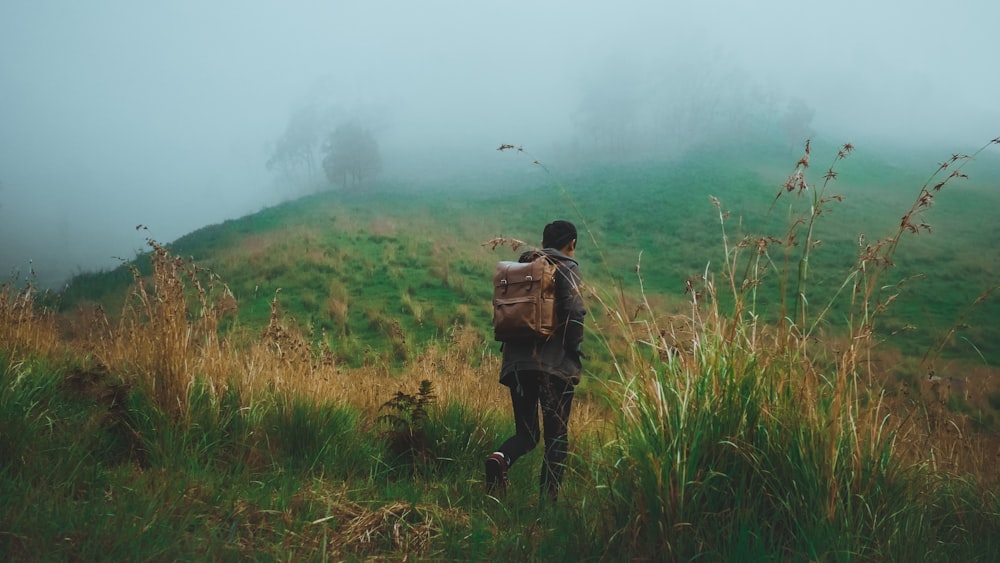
column 406, row 419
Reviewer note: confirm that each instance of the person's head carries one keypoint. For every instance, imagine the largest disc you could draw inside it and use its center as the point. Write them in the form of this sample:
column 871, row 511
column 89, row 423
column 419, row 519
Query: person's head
column 560, row 235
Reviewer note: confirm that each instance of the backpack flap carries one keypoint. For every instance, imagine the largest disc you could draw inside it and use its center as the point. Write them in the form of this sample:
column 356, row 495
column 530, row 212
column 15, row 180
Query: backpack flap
column 524, row 300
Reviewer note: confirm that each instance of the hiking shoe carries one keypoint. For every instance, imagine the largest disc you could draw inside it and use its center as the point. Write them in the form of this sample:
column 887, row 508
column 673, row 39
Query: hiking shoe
column 496, row 474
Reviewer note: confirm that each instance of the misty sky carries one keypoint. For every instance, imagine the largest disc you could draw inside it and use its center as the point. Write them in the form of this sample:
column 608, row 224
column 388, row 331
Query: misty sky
column 116, row 113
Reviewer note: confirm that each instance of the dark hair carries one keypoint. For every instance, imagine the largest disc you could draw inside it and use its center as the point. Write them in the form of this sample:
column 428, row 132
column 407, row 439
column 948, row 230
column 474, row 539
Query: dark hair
column 558, row 234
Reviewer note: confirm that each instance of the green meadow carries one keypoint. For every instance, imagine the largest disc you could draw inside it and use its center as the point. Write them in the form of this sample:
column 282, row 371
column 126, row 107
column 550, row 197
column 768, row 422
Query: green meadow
column 779, row 369
column 349, row 265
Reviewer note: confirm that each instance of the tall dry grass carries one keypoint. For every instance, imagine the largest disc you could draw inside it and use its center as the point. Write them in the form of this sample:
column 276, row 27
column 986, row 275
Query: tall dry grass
column 725, row 415
column 26, row 327
column 167, row 338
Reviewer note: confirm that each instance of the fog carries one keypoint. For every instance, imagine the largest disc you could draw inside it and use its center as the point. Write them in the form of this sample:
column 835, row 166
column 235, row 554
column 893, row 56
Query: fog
column 115, row 114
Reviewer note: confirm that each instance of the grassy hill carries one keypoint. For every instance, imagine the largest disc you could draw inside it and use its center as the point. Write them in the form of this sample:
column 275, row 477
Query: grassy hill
column 317, row 381
column 353, row 269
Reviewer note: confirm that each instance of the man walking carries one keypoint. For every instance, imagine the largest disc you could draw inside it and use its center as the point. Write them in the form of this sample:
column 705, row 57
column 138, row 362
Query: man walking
column 543, row 373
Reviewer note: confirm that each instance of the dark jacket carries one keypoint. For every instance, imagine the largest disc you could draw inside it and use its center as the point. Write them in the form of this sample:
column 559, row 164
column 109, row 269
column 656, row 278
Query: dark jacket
column 558, row 355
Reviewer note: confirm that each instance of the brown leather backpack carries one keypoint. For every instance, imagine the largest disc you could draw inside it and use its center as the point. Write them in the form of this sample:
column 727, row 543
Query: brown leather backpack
column 524, row 297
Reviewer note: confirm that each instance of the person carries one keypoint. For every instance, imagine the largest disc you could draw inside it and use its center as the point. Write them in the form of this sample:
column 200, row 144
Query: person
column 544, row 373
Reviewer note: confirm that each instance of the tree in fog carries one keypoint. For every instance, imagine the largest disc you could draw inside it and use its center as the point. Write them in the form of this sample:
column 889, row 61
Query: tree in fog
column 295, row 153
column 351, row 156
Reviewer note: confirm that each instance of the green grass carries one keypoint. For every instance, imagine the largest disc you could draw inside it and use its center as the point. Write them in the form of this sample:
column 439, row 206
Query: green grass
column 424, row 241
column 738, row 440
column 92, row 470
column 721, row 465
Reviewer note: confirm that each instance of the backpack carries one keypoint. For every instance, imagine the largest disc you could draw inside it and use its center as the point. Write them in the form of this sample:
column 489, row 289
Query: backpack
column 524, row 297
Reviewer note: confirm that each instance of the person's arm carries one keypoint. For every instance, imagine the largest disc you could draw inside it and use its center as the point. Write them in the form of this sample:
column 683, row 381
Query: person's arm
column 570, row 307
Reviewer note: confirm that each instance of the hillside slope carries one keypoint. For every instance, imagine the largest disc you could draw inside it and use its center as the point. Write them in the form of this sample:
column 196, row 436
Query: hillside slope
column 385, row 273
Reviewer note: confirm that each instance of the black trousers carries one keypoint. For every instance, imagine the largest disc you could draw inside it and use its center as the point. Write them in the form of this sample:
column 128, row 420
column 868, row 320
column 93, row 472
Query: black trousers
column 555, row 397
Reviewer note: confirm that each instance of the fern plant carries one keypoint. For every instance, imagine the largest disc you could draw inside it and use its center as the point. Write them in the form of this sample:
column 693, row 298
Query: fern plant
column 405, row 434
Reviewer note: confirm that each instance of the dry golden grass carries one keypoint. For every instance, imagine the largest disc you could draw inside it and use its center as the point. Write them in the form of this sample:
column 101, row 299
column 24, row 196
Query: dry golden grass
column 255, row 247
column 25, row 328
column 167, row 337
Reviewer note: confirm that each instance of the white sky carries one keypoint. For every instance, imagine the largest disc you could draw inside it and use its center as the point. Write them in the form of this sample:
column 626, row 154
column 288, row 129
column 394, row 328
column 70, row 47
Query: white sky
column 115, row 113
